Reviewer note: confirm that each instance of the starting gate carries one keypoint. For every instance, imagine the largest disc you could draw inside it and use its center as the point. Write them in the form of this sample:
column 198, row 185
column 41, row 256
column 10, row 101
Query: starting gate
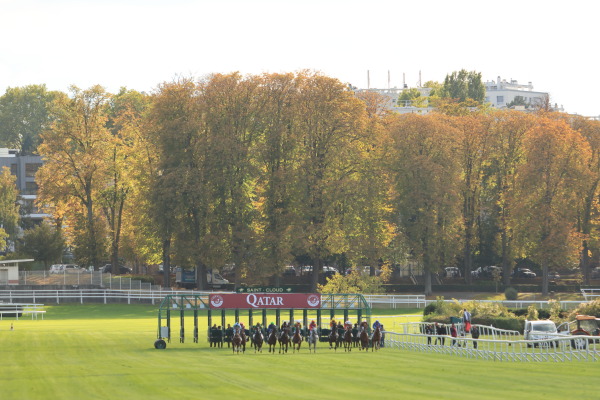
column 257, row 306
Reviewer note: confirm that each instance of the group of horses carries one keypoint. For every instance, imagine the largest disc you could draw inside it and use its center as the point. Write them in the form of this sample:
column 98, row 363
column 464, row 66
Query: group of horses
column 284, row 339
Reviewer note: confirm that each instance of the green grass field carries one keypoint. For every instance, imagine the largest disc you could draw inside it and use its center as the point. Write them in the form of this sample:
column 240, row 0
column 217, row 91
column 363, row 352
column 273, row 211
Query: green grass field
column 106, row 352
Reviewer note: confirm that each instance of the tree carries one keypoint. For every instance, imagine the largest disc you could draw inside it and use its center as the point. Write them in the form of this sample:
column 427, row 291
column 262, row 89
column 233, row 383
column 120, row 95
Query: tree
column 76, row 149
column 125, row 114
column 473, row 147
column 426, row 183
column 43, row 243
column 464, row 86
column 9, row 207
column 548, row 183
column 24, row 116
column 330, row 124
column 506, row 158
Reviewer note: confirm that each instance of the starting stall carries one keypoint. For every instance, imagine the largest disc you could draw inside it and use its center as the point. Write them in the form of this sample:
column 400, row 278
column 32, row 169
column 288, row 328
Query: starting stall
column 258, row 307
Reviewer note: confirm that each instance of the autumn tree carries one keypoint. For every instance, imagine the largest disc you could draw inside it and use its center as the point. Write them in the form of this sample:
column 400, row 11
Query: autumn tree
column 331, row 131
column 472, row 151
column 75, row 150
column 9, row 207
column 426, row 183
column 555, row 167
column 506, row 158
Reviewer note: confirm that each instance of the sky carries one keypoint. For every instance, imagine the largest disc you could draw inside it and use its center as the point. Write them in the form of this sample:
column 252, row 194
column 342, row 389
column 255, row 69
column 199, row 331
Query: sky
column 140, row 44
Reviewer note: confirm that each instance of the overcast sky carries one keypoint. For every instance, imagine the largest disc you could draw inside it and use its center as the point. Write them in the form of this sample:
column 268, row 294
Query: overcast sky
column 141, row 43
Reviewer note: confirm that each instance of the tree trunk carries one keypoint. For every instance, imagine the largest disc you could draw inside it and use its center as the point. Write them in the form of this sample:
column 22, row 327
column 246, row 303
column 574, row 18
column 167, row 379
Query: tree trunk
column 544, row 279
column 428, row 287
column 585, row 263
column 166, row 262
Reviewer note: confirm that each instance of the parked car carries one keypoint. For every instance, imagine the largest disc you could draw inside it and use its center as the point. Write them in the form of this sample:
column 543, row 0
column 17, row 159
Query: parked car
column 64, row 268
column 452, row 272
column 595, row 273
column 523, row 273
column 540, row 330
column 289, row 270
column 107, row 269
column 553, row 275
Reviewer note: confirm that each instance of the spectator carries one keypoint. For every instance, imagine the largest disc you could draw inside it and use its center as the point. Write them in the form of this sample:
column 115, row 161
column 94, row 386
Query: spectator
column 441, row 332
column 454, row 334
column 467, row 320
column 429, row 332
column 475, row 335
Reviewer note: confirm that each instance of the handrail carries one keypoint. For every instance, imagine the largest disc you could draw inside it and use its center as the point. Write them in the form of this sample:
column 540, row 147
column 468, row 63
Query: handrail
column 559, row 348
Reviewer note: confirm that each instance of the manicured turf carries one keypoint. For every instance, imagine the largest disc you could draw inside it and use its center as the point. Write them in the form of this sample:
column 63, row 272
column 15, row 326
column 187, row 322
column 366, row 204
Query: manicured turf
column 106, row 352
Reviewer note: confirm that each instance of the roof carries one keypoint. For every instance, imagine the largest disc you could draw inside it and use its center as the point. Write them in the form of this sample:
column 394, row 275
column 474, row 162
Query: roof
column 16, row 262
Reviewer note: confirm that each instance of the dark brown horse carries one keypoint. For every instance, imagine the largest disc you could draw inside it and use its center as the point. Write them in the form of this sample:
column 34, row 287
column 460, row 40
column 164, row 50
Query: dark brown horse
column 376, row 339
column 297, row 338
column 257, row 339
column 272, row 340
column 237, row 342
column 364, row 337
column 333, row 338
column 284, row 339
column 348, row 339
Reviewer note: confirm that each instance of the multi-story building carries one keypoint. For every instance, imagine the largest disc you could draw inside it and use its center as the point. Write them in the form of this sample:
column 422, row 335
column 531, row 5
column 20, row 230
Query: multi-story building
column 501, row 93
column 24, row 168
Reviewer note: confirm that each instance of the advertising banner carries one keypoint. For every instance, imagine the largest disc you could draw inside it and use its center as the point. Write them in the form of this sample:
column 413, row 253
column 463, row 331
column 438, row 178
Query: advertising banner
column 265, row 300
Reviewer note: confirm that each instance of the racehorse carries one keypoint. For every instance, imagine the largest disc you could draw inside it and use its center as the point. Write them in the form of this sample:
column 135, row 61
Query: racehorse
column 376, row 339
column 348, row 339
column 272, row 340
column 297, row 338
column 284, row 339
column 364, row 337
column 333, row 336
column 313, row 338
column 257, row 339
column 236, row 342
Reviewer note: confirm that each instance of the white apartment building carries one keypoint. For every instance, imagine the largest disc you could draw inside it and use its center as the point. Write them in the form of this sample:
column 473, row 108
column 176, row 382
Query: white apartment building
column 501, row 92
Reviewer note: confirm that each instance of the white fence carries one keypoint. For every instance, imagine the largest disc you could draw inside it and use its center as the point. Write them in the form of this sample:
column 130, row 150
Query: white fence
column 82, row 278
column 590, row 294
column 498, row 346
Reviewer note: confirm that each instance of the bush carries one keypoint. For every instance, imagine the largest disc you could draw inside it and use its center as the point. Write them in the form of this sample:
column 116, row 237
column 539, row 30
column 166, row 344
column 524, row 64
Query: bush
column 430, row 309
column 589, row 308
column 511, row 293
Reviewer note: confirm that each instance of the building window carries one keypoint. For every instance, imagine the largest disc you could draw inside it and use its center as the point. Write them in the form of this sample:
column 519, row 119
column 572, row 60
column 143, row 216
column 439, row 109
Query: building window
column 499, row 99
column 31, row 188
column 31, row 169
column 13, row 169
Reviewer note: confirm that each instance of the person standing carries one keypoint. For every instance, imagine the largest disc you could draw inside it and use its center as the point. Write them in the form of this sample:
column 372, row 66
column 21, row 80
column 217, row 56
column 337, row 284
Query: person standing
column 475, row 335
column 467, row 320
column 454, row 334
column 429, row 332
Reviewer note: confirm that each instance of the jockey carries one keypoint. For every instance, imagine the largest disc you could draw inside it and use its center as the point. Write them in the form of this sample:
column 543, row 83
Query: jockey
column 376, row 325
column 332, row 324
column 271, row 328
column 312, row 325
column 236, row 327
column 348, row 325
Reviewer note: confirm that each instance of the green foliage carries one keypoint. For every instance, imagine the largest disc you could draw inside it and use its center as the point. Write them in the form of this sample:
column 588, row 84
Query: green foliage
column 532, row 313
column 24, row 116
column 430, row 309
column 511, row 293
column 589, row 308
column 463, row 86
column 43, row 243
column 9, row 207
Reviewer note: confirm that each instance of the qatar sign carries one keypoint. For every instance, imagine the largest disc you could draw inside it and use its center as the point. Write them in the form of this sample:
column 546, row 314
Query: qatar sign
column 265, row 300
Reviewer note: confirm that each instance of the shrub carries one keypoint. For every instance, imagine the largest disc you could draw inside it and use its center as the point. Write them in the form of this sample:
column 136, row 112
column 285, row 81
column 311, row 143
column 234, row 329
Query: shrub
column 430, row 309
column 589, row 308
column 511, row 293
column 532, row 312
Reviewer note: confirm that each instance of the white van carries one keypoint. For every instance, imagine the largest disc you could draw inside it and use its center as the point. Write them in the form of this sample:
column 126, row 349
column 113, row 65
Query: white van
column 539, row 330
